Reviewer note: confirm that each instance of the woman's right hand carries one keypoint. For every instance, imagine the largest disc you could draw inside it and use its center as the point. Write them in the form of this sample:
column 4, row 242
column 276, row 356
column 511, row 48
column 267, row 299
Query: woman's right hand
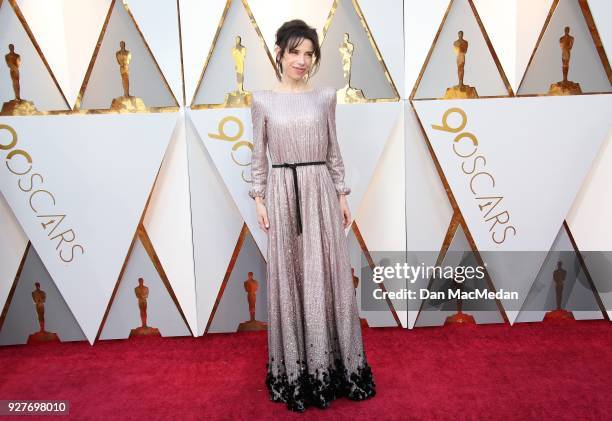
column 262, row 214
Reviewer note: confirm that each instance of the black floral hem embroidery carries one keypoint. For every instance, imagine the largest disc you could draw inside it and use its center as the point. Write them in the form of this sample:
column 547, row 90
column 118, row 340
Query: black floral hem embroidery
column 322, row 387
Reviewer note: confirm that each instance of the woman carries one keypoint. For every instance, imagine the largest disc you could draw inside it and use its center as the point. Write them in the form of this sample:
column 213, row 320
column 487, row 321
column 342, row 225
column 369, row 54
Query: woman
column 314, row 336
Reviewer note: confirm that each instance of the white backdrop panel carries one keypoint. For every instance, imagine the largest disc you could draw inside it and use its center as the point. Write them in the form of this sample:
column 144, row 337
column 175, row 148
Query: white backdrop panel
column 168, row 222
column 383, row 227
column 593, row 204
column 480, row 68
column 420, row 27
column 531, row 17
column 13, row 242
column 507, row 209
column 428, row 210
column 45, row 19
column 375, row 318
column 367, row 73
column 124, row 314
column 589, row 222
column 159, row 24
column 199, row 20
column 22, row 319
column 231, row 158
column 602, row 14
column 81, row 211
column 385, row 20
column 585, row 66
column 434, row 312
column 500, row 21
column 513, row 27
column 216, row 224
column 146, row 81
column 36, row 83
column 233, row 307
column 220, row 75
column 577, row 294
column 550, row 143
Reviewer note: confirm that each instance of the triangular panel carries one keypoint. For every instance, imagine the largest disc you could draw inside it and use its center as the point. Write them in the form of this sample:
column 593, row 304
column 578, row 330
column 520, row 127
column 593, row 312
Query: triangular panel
column 67, row 32
column 421, row 25
column 216, row 229
column 358, row 52
column 168, row 222
column 160, row 27
column 439, row 306
column 374, row 311
column 120, row 72
column 13, row 243
column 81, row 197
column 37, row 314
column 428, row 210
column 561, row 289
column 592, row 208
column 30, row 76
column 243, row 290
column 239, row 60
column 514, row 28
column 461, row 45
column 199, row 20
column 586, row 64
column 492, row 195
column 144, row 310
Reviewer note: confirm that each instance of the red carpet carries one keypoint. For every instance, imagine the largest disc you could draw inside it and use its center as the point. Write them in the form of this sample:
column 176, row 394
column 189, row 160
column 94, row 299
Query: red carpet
column 528, row 371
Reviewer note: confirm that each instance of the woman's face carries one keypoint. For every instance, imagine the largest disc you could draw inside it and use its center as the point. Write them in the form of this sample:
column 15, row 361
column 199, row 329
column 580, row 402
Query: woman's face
column 297, row 61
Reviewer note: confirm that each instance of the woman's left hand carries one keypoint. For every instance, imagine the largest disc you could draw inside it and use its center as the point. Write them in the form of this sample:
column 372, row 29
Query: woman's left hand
column 346, row 213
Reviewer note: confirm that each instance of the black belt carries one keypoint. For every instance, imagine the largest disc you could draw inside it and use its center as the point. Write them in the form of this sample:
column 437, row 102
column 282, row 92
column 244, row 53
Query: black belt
column 295, row 186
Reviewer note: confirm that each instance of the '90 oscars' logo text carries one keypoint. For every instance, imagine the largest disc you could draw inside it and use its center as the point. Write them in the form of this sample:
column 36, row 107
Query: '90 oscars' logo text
column 482, row 183
column 42, row 202
column 224, row 136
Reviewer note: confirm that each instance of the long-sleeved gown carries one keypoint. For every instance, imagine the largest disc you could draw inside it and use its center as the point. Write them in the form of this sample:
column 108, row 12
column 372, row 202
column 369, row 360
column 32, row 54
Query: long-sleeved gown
column 315, row 346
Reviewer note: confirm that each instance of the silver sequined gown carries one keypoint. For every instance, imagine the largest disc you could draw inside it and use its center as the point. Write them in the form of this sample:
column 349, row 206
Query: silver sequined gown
column 315, row 347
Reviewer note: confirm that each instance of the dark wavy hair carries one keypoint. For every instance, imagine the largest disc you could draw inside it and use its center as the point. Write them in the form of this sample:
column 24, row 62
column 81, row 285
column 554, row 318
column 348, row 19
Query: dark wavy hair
column 290, row 35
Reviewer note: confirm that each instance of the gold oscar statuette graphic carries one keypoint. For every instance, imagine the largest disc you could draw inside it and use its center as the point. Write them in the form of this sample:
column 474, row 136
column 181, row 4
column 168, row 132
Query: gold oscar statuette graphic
column 348, row 94
column 142, row 294
column 250, row 286
column 239, row 97
column 126, row 103
column 460, row 317
column 565, row 87
column 559, row 278
column 364, row 322
column 39, row 296
column 460, row 91
column 16, row 106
